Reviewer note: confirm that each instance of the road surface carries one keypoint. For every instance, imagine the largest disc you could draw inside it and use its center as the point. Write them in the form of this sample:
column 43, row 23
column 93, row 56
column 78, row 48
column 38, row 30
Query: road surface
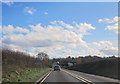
column 74, row 77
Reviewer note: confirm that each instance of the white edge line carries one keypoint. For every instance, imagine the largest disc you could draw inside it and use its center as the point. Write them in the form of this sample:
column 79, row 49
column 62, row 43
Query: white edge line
column 45, row 77
column 79, row 77
column 76, row 77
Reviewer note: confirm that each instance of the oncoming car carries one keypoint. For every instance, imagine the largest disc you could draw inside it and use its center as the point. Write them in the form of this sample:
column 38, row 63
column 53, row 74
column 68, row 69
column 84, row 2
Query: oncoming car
column 56, row 67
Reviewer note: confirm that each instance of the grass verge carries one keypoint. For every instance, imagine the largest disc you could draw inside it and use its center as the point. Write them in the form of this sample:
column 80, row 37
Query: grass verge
column 26, row 75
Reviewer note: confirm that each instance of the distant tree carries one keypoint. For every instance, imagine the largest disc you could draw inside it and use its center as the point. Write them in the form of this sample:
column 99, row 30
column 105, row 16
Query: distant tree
column 43, row 56
column 69, row 59
column 73, row 58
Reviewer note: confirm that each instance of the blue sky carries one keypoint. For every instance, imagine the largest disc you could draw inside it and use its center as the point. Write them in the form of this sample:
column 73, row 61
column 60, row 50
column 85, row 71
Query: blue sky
column 23, row 14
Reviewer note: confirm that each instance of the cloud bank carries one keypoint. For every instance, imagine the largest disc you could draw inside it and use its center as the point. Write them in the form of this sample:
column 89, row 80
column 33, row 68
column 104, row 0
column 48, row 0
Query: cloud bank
column 58, row 39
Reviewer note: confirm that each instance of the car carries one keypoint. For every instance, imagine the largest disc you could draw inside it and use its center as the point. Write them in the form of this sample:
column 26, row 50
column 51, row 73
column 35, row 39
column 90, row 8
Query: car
column 56, row 67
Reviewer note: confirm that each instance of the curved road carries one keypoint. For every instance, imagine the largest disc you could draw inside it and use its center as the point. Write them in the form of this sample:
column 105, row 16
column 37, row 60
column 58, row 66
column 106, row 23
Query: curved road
column 74, row 77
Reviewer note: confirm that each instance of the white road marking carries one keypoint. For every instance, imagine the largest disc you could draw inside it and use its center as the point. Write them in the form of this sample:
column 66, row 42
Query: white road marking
column 79, row 78
column 45, row 77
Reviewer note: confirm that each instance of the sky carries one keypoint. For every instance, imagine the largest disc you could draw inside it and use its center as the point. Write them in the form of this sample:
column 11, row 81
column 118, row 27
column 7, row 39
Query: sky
column 61, row 28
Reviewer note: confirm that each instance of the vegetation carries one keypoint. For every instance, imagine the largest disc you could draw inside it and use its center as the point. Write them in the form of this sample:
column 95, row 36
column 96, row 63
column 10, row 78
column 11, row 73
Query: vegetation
column 21, row 67
column 26, row 75
column 107, row 67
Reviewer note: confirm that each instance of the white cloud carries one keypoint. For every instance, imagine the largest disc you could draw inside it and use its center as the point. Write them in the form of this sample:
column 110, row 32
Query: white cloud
column 53, row 39
column 90, row 51
column 113, row 27
column 97, row 46
column 29, row 10
column 11, row 29
column 23, row 30
column 70, row 52
column 110, row 51
column 46, row 38
column 100, row 20
column 81, row 29
column 61, row 23
column 82, row 52
column 84, row 27
column 101, row 44
column 8, row 29
column 42, row 37
column 113, row 22
column 46, row 13
column 107, row 20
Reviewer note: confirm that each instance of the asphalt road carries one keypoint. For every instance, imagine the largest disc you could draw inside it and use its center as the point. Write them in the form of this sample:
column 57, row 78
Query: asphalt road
column 74, row 77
